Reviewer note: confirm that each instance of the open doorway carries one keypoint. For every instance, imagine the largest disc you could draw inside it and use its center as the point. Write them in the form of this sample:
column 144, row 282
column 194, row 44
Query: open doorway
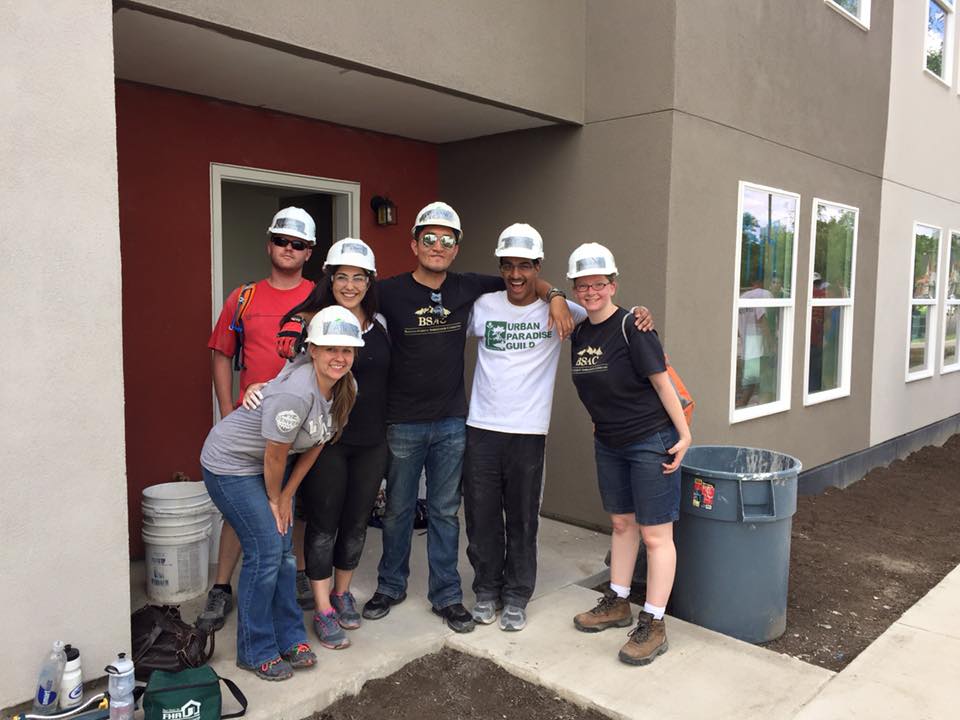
column 243, row 202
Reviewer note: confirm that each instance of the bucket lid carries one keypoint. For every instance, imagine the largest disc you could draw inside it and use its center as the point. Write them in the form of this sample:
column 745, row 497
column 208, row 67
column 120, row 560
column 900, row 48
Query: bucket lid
column 175, row 490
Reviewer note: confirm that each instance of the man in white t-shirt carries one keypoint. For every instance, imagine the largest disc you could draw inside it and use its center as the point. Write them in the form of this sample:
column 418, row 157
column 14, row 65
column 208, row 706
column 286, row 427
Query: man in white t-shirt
column 507, row 425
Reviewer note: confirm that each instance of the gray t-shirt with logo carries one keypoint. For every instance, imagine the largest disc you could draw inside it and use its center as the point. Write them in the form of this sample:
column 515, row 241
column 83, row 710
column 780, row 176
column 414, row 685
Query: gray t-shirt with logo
column 292, row 411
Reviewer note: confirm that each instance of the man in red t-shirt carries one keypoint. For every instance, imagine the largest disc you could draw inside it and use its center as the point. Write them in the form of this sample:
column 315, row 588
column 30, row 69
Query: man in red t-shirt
column 292, row 236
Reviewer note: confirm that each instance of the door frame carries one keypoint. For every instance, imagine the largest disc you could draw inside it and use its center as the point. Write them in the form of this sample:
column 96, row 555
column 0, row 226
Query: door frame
column 346, row 210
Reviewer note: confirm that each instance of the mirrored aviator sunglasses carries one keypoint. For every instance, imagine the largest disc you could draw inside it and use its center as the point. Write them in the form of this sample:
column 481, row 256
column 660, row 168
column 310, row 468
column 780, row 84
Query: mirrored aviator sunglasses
column 283, row 242
column 446, row 241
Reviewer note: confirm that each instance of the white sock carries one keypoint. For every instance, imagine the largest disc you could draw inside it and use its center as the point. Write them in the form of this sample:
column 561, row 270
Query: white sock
column 620, row 590
column 657, row 612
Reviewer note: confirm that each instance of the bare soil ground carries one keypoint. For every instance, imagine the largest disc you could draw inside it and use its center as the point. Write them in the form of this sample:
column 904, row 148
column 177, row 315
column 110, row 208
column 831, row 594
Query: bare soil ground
column 859, row 558
column 452, row 686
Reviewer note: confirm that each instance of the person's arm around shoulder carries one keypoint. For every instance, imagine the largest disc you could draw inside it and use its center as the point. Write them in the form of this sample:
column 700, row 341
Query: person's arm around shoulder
column 560, row 315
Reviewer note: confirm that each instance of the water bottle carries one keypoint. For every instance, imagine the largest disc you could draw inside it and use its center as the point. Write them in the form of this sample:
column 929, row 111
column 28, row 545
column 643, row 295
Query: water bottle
column 71, row 686
column 48, row 684
column 120, row 687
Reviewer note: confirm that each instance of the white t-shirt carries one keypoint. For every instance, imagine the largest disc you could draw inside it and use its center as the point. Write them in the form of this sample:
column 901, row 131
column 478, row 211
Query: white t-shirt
column 516, row 364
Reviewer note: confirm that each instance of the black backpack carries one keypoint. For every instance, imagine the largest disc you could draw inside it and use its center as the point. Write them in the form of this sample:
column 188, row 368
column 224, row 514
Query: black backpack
column 163, row 641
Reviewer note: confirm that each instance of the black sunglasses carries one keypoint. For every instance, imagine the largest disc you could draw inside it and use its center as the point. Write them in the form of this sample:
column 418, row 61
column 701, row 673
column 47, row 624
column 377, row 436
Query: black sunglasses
column 283, row 242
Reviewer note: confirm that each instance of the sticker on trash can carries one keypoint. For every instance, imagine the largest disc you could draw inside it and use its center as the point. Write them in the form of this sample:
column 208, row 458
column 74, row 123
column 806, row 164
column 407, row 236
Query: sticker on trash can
column 703, row 494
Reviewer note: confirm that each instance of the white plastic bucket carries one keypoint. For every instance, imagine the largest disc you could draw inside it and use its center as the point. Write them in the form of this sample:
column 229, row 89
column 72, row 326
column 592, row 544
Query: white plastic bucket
column 176, row 532
column 177, row 566
column 176, row 498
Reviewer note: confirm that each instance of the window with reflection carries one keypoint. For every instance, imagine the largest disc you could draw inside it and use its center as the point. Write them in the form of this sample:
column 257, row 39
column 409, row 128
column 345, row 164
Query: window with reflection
column 951, row 311
column 923, row 300
column 938, row 43
column 763, row 322
column 830, row 310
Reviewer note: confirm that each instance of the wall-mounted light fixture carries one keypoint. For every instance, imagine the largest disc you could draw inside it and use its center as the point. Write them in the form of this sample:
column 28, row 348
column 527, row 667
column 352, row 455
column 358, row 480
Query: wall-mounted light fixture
column 384, row 210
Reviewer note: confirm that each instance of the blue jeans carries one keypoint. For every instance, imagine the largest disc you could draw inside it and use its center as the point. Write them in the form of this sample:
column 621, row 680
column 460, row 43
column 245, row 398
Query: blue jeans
column 437, row 447
column 269, row 619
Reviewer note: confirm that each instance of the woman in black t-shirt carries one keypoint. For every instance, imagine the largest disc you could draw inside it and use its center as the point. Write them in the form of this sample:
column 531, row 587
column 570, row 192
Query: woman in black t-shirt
column 337, row 494
column 640, row 437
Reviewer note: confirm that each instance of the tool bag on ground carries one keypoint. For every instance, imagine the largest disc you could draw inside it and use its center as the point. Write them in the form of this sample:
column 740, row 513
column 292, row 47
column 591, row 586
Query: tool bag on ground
column 163, row 641
column 192, row 694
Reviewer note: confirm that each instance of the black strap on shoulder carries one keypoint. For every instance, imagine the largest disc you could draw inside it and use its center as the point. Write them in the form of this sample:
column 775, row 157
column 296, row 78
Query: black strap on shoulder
column 237, row 695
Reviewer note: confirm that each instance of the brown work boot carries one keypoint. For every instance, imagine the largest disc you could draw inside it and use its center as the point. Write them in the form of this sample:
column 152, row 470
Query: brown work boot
column 647, row 640
column 610, row 611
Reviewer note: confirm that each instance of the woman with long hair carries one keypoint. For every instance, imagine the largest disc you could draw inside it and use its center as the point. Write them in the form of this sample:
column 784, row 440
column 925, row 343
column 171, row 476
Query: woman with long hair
column 247, row 473
column 640, row 437
column 338, row 492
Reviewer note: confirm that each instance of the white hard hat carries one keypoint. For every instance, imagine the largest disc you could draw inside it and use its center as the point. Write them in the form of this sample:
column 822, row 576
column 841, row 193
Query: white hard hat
column 591, row 259
column 438, row 213
column 295, row 222
column 336, row 326
column 351, row 251
column 520, row 240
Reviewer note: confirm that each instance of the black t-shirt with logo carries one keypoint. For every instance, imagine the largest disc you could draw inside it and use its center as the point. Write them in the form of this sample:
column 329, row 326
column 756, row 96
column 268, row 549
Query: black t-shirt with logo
column 429, row 329
column 612, row 379
column 368, row 421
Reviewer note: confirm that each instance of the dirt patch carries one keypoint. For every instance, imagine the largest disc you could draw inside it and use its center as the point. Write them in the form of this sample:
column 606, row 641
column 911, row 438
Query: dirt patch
column 861, row 556
column 449, row 685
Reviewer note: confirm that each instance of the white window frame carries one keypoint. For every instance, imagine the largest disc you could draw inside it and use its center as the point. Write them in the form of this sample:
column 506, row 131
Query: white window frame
column 785, row 368
column 948, row 302
column 949, row 7
column 346, row 211
column 931, row 314
column 862, row 20
column 846, row 360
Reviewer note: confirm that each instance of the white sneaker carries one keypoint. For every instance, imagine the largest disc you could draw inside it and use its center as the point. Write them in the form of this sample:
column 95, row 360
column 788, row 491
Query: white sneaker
column 513, row 618
column 484, row 612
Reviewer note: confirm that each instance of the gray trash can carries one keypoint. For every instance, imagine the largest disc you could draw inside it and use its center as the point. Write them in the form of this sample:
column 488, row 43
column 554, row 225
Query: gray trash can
column 733, row 540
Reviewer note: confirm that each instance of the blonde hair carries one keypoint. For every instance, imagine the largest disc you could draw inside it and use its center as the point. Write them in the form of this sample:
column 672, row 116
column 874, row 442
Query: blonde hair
column 344, row 396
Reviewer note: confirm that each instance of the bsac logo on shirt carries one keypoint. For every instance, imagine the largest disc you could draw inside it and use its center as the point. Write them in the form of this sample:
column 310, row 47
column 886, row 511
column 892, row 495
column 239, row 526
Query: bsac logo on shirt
column 588, row 356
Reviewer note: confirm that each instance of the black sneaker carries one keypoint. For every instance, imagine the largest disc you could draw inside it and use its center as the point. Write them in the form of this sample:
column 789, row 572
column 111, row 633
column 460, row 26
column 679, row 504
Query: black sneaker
column 457, row 617
column 379, row 605
column 304, row 591
column 219, row 604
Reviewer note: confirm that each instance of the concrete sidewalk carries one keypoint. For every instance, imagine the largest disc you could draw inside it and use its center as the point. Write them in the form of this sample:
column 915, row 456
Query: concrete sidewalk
column 908, row 672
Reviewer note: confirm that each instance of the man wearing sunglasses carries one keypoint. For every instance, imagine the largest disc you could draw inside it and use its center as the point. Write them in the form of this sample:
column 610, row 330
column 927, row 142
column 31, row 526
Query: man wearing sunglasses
column 252, row 341
column 427, row 314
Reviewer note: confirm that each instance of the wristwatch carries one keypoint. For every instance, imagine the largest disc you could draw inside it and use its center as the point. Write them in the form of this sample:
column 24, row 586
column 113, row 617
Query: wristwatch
column 553, row 292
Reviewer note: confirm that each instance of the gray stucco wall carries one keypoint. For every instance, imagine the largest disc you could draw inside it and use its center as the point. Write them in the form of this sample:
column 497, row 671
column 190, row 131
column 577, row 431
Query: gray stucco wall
column 709, row 160
column 922, row 184
column 528, row 55
column 608, row 183
column 64, row 559
column 796, row 73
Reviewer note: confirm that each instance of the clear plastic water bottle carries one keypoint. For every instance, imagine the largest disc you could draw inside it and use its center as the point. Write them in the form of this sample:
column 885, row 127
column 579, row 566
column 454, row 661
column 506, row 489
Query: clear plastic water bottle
column 71, row 686
column 120, row 687
column 48, row 684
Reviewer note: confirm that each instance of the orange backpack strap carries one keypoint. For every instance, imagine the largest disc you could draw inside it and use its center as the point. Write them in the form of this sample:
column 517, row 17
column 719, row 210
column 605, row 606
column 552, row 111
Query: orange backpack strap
column 243, row 304
column 687, row 403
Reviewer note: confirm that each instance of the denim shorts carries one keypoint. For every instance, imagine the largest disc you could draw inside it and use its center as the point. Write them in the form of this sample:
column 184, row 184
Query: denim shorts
column 632, row 480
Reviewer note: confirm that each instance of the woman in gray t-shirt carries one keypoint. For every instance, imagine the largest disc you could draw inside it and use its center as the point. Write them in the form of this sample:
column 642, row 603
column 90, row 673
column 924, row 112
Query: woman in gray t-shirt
column 246, row 471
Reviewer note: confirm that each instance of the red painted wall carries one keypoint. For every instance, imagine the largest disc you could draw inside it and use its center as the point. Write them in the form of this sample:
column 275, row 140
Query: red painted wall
column 165, row 142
